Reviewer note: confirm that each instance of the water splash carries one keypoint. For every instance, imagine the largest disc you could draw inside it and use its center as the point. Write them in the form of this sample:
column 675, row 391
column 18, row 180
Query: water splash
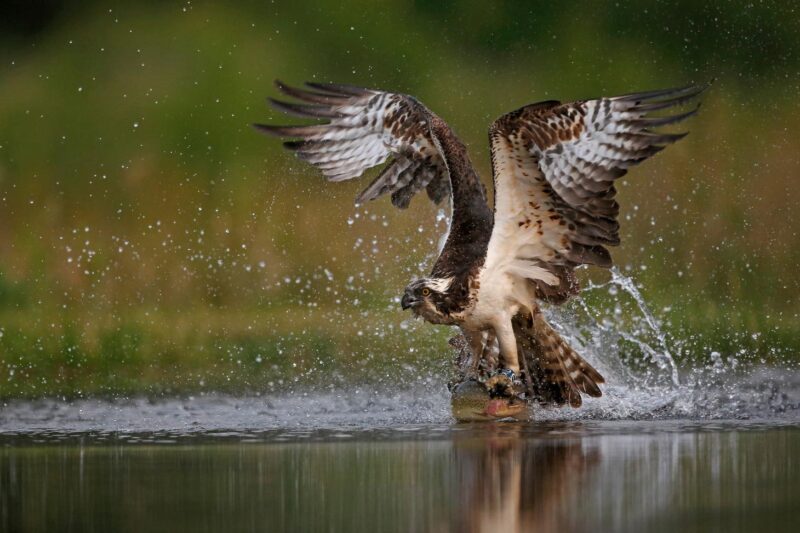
column 768, row 395
column 611, row 325
column 656, row 349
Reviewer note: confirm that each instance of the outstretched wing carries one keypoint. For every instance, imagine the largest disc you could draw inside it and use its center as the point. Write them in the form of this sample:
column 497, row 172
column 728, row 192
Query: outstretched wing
column 554, row 168
column 364, row 128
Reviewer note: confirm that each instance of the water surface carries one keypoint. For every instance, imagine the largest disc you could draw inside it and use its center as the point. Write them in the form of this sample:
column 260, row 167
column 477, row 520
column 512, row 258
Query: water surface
column 553, row 476
column 716, row 457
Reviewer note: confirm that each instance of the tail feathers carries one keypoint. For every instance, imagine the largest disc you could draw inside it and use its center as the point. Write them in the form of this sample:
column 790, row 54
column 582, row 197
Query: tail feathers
column 556, row 374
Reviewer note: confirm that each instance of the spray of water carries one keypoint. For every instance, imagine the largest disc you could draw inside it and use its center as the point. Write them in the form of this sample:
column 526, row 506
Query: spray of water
column 656, row 350
column 610, row 324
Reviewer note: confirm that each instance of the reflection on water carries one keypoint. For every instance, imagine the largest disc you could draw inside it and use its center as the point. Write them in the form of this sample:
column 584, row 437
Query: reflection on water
column 504, row 482
column 613, row 476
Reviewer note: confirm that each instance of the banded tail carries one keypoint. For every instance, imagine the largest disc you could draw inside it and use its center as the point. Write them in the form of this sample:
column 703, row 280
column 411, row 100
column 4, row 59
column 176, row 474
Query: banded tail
column 555, row 374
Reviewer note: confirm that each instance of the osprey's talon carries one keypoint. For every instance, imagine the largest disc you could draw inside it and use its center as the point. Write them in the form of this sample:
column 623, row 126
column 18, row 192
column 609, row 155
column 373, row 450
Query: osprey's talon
column 507, row 372
column 504, row 382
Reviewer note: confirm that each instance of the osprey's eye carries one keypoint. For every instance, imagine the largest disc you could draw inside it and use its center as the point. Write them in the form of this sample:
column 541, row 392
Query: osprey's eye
column 426, row 291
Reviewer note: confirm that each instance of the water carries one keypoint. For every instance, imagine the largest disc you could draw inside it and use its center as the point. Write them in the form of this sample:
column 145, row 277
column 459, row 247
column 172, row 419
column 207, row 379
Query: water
column 721, row 457
column 711, row 447
column 659, row 352
column 553, row 476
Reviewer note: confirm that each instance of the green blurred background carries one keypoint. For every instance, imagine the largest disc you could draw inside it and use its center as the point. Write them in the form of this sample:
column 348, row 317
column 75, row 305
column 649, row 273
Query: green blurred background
column 151, row 241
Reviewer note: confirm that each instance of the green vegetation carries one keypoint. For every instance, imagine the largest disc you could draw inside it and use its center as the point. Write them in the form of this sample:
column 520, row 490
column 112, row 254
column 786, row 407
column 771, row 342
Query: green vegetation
column 150, row 240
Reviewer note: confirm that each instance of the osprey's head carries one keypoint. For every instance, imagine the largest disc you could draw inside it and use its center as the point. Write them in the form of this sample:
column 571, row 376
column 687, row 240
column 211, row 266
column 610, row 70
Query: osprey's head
column 429, row 298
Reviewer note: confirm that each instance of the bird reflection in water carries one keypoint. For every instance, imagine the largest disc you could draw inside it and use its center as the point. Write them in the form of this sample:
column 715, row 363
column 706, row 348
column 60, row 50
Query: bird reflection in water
column 507, row 482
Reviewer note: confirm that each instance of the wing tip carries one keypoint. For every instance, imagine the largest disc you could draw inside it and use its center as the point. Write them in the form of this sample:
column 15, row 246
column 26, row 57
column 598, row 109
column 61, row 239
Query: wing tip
column 327, row 99
column 363, row 198
column 657, row 122
column 339, row 89
column 675, row 95
column 305, row 110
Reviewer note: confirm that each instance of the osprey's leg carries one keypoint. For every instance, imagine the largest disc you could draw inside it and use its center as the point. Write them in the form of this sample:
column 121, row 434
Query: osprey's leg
column 491, row 350
column 475, row 340
column 502, row 383
column 508, row 345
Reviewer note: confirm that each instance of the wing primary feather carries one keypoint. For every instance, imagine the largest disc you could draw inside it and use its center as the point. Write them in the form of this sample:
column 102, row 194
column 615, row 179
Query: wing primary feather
column 592, row 255
column 662, row 93
column 349, row 165
column 654, row 122
column 401, row 198
column 306, row 110
column 382, row 183
column 438, row 189
column 343, row 176
column 339, row 88
column 326, row 158
column 290, row 131
column 310, row 96
column 664, row 139
column 664, row 104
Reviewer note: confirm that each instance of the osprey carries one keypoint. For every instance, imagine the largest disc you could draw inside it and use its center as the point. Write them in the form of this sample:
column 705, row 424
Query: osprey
column 554, row 167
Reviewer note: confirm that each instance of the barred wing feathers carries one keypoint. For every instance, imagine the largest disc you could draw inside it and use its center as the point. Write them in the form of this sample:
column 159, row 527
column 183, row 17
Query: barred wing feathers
column 554, row 168
column 364, row 128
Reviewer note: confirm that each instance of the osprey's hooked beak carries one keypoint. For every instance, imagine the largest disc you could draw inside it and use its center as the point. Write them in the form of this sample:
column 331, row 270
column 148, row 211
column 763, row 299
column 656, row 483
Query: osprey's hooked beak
column 408, row 301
